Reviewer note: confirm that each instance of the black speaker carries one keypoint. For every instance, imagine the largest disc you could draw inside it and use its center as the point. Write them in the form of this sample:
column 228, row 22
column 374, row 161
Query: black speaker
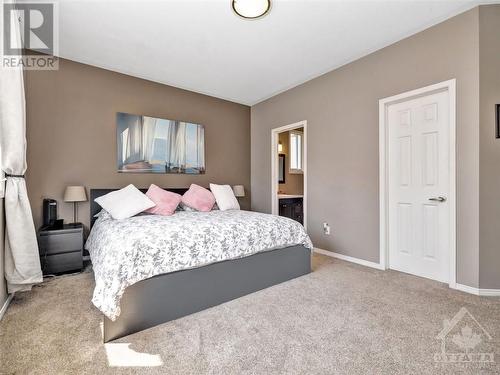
column 49, row 212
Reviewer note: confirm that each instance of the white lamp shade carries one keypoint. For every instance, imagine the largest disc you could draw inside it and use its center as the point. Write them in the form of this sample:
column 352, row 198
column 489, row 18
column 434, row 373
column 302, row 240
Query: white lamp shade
column 75, row 194
column 239, row 191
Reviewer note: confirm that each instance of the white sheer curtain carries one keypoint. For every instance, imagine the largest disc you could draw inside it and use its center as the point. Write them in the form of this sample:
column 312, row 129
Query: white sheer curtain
column 175, row 156
column 200, row 144
column 133, row 151
column 179, row 154
column 22, row 265
column 137, row 138
column 170, row 143
column 148, row 135
column 2, row 176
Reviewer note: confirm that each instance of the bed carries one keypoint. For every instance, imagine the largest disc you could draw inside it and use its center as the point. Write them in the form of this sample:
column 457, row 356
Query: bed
column 151, row 269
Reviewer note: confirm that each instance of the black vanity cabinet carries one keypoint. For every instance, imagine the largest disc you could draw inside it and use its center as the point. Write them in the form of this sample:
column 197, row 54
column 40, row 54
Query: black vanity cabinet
column 292, row 208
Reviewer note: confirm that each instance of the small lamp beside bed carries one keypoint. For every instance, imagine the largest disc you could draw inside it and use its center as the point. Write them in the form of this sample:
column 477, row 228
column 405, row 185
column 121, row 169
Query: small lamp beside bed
column 75, row 194
column 239, row 191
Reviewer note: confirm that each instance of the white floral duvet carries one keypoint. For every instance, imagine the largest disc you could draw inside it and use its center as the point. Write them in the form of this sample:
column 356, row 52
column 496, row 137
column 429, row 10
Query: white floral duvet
column 124, row 252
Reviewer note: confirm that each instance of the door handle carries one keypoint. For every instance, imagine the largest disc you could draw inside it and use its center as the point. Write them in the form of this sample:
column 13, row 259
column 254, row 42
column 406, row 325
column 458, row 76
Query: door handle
column 438, row 199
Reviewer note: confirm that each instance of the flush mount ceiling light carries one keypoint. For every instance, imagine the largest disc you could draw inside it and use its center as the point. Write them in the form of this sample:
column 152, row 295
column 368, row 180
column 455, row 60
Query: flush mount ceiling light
column 251, row 9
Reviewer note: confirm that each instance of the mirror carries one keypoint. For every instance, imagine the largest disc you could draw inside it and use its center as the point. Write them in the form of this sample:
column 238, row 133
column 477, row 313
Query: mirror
column 281, row 167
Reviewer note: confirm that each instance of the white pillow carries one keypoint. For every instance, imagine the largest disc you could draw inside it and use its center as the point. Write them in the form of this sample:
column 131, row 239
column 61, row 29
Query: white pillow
column 125, row 203
column 224, row 196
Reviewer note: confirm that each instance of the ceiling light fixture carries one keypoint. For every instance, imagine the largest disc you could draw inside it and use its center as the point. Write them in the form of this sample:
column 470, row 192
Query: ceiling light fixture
column 251, row 9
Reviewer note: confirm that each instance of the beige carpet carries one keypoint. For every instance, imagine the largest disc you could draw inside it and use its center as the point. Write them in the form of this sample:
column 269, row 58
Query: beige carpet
column 340, row 319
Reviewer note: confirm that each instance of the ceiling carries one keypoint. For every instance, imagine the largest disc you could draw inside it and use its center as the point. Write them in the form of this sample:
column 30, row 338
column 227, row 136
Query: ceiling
column 204, row 47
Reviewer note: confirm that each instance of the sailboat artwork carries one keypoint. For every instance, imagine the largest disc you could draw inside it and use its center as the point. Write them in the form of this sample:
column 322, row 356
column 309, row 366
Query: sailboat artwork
column 153, row 145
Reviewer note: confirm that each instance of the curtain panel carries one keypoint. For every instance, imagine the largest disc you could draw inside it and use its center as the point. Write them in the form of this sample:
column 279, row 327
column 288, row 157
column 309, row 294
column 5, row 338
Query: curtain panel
column 22, row 264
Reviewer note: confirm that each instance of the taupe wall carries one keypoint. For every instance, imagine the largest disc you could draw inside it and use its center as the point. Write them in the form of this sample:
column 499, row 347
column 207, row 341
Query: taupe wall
column 294, row 183
column 489, row 184
column 341, row 108
column 3, row 284
column 71, row 133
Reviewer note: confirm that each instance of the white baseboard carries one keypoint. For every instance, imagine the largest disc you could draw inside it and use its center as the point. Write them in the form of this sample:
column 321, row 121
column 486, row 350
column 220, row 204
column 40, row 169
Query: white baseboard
column 347, row 258
column 461, row 287
column 6, row 305
column 489, row 292
column 466, row 289
column 478, row 291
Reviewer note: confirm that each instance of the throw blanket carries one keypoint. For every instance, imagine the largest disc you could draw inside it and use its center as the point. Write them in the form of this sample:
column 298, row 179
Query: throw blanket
column 127, row 251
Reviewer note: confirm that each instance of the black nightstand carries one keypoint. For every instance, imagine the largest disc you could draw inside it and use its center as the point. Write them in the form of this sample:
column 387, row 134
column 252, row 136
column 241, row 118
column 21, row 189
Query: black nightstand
column 61, row 250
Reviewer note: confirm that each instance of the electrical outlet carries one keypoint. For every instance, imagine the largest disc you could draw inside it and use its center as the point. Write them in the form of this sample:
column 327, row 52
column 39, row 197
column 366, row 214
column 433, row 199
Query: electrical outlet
column 326, row 229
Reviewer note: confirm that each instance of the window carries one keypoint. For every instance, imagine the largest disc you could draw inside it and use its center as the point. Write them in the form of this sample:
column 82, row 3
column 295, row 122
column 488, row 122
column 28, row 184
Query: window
column 296, row 151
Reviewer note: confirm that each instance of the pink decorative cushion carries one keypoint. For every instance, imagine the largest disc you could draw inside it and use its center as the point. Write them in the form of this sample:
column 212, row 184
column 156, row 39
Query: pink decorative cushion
column 199, row 198
column 166, row 201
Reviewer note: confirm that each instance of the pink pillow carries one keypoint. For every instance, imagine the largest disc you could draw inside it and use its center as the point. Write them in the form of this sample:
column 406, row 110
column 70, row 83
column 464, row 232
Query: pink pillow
column 199, row 198
column 166, row 201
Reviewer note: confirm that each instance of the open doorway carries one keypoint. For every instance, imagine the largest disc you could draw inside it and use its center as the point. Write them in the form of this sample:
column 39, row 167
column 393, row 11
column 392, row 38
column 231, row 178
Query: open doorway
column 289, row 171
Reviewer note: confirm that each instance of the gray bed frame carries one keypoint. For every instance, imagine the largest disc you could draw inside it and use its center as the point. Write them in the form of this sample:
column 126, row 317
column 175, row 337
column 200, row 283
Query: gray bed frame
column 166, row 297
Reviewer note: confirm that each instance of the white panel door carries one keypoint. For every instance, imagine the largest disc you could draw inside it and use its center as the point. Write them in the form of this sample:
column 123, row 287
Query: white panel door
column 418, row 167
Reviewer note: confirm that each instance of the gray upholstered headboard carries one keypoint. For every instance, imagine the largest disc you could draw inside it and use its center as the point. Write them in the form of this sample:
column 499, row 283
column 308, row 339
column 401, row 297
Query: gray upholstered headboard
column 95, row 193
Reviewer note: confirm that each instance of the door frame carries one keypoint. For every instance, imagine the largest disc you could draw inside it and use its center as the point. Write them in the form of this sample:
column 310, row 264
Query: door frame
column 274, row 166
column 446, row 86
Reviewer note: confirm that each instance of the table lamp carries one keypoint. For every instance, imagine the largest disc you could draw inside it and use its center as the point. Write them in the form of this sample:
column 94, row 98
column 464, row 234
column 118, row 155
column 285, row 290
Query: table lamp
column 75, row 194
column 239, row 191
